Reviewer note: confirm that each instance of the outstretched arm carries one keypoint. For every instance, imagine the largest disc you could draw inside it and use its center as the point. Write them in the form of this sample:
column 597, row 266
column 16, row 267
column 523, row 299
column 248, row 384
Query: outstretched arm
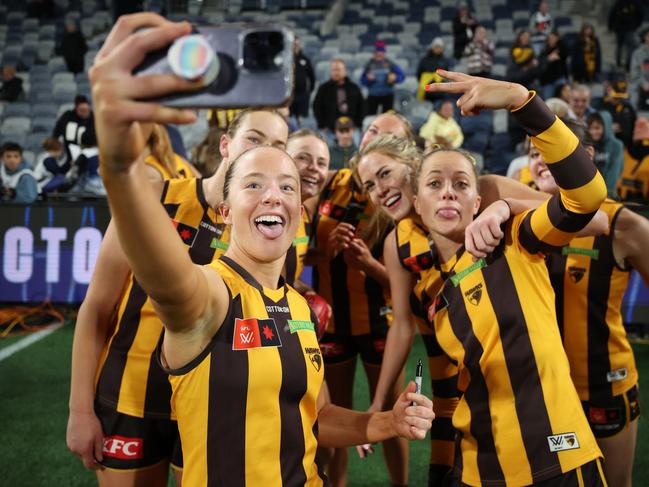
column 155, row 254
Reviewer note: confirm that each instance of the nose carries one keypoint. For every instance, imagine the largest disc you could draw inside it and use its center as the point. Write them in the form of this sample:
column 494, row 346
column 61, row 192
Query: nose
column 382, row 188
column 272, row 195
column 448, row 192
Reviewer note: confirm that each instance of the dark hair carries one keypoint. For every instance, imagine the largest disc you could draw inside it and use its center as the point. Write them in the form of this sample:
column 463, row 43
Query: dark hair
column 52, row 143
column 580, row 129
column 79, row 99
column 11, row 147
column 238, row 119
column 89, row 138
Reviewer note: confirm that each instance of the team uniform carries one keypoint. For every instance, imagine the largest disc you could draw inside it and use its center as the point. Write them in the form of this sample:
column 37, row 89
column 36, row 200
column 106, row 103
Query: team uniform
column 602, row 365
column 520, row 420
column 132, row 395
column 294, row 263
column 183, row 170
column 634, row 181
column 416, row 256
column 246, row 405
column 360, row 305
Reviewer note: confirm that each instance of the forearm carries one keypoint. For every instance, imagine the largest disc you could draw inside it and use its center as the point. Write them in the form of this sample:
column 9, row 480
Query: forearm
column 339, row 427
column 494, row 187
column 147, row 236
column 397, row 347
column 378, row 272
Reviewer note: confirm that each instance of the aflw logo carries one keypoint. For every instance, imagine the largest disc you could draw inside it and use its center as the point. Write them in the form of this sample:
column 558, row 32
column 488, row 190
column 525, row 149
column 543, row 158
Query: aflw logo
column 123, row 448
column 564, row 441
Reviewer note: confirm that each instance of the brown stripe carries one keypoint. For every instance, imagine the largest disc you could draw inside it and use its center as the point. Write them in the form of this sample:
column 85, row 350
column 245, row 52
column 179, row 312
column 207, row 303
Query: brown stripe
column 293, row 389
column 556, row 264
column 599, row 287
column 574, row 171
column 228, row 395
column 165, row 188
column 535, row 117
column 532, row 414
column 110, row 378
column 442, row 429
column 201, row 251
column 476, row 394
column 565, row 220
column 157, row 399
column 290, row 265
column 445, row 387
column 376, row 303
column 438, row 475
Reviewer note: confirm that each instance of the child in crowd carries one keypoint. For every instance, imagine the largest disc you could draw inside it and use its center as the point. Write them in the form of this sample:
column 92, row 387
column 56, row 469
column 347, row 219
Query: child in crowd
column 17, row 182
column 52, row 167
column 343, row 147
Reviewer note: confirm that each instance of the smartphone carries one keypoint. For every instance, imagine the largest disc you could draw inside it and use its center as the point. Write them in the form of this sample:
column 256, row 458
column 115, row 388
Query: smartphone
column 255, row 68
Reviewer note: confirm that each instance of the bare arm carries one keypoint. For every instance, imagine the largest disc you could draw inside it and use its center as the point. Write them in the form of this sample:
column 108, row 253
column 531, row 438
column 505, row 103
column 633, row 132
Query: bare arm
column 402, row 330
column 494, row 187
column 630, row 242
column 93, row 327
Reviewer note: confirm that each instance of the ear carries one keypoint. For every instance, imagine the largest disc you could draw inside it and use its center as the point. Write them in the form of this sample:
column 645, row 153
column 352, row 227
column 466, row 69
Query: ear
column 224, row 143
column 224, row 210
column 476, row 206
column 302, row 210
column 415, row 204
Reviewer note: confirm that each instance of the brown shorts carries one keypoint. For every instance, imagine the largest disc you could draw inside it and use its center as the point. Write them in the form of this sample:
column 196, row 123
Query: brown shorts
column 132, row 443
column 610, row 417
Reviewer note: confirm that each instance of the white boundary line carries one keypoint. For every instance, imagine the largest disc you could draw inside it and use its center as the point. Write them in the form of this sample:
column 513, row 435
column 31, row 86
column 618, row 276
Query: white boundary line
column 27, row 341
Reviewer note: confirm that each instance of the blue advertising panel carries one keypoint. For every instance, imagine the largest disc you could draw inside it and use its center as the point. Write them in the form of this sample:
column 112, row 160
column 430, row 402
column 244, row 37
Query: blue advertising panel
column 49, row 250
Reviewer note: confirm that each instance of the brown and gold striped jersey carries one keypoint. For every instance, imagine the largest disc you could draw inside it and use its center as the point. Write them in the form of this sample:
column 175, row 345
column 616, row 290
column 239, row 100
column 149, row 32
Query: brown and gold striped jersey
column 634, row 181
column 589, row 286
column 246, row 406
column 359, row 303
column 520, row 420
column 294, row 263
column 182, row 168
column 129, row 378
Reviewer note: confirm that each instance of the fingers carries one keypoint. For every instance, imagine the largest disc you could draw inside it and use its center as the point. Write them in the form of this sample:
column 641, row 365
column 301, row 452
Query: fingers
column 454, row 75
column 152, row 86
column 125, row 26
column 364, row 450
column 455, row 87
column 152, row 112
column 421, row 400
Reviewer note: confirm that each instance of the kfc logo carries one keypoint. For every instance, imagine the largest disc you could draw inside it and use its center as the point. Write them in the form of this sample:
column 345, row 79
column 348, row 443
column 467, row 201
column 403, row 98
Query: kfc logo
column 123, row 448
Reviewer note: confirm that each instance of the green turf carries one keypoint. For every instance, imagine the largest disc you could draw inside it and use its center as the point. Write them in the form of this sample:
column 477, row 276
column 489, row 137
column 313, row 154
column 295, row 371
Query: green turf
column 34, row 386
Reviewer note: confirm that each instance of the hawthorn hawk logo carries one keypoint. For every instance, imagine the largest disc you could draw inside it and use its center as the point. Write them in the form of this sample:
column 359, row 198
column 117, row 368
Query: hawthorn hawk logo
column 576, row 273
column 474, row 295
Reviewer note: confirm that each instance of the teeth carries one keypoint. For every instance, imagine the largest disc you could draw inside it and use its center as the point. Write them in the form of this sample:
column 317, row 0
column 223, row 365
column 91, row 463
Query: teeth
column 392, row 199
column 310, row 180
column 268, row 219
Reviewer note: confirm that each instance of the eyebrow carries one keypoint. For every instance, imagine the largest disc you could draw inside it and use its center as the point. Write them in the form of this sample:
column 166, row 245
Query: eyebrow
column 264, row 175
column 437, row 171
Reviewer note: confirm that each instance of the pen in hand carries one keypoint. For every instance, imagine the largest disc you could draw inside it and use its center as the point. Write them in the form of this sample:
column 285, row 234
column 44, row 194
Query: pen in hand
column 418, row 376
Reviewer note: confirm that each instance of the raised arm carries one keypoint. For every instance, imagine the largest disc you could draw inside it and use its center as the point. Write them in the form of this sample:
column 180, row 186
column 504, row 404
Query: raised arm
column 155, row 254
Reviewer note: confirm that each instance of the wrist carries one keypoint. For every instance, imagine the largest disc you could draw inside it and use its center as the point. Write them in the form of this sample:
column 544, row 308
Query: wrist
column 507, row 210
column 519, row 97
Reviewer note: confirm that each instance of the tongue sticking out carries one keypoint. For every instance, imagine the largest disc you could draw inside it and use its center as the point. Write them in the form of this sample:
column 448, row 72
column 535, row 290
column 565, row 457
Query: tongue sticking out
column 448, row 213
column 270, row 231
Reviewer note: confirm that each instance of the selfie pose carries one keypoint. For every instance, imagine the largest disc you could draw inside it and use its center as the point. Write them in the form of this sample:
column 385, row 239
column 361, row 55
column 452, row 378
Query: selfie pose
column 239, row 344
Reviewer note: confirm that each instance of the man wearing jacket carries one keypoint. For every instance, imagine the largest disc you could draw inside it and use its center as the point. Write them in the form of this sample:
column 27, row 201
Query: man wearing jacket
column 303, row 82
column 380, row 75
column 337, row 97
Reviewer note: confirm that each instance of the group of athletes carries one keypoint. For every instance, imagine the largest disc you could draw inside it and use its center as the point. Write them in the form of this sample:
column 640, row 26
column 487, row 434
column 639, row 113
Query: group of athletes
column 196, row 348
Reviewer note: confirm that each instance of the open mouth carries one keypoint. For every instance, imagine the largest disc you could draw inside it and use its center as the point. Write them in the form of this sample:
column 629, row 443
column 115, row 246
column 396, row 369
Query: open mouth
column 448, row 213
column 310, row 181
column 271, row 226
column 392, row 201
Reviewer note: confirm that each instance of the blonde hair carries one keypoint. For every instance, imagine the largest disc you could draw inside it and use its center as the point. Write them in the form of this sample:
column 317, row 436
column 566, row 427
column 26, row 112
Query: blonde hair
column 464, row 153
column 400, row 149
column 160, row 148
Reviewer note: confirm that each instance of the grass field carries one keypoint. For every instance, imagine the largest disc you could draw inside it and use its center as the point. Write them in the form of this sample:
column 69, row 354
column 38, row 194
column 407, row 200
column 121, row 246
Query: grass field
column 34, row 386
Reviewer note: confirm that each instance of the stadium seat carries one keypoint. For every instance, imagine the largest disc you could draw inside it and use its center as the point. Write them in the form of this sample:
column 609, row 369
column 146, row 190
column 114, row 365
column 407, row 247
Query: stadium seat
column 15, row 125
column 17, row 109
column 44, row 124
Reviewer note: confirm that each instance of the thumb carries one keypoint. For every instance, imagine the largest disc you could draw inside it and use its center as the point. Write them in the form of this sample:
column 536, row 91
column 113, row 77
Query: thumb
column 411, row 387
column 99, row 447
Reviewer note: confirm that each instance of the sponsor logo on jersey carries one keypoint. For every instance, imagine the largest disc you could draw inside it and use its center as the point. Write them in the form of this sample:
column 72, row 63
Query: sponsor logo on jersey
column 474, row 294
column 219, row 244
column 326, row 207
column 592, row 253
column 208, row 226
column 564, row 441
column 297, row 325
column 576, row 273
column 479, row 264
column 315, row 357
column 301, row 240
column 255, row 333
column 186, row 233
column 277, row 309
column 617, row 375
column 603, row 416
column 123, row 448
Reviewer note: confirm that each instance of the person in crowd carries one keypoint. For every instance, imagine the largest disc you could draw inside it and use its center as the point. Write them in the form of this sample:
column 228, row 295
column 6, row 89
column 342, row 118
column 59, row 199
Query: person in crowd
column 495, row 314
column 616, row 102
column 441, row 127
column 343, row 147
column 219, row 333
column 12, row 86
column 428, row 65
column 523, row 67
column 52, row 168
column 540, row 26
column 17, row 181
column 73, row 47
column 135, row 394
column 634, row 183
column 303, row 82
column 463, row 26
column 479, row 53
column 639, row 73
column 564, row 92
column 71, row 125
column 609, row 151
column 86, row 167
column 592, row 274
column 580, row 103
column 624, row 18
column 380, row 75
column 337, row 97
column 553, row 63
column 586, row 56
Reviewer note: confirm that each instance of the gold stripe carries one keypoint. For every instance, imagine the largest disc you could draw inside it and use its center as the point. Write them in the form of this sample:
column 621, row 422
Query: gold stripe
column 545, row 231
column 586, row 198
column 556, row 142
column 580, row 477
column 601, row 472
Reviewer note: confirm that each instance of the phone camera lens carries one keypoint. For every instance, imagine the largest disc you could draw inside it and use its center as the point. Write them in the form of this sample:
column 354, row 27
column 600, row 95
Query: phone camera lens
column 262, row 51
